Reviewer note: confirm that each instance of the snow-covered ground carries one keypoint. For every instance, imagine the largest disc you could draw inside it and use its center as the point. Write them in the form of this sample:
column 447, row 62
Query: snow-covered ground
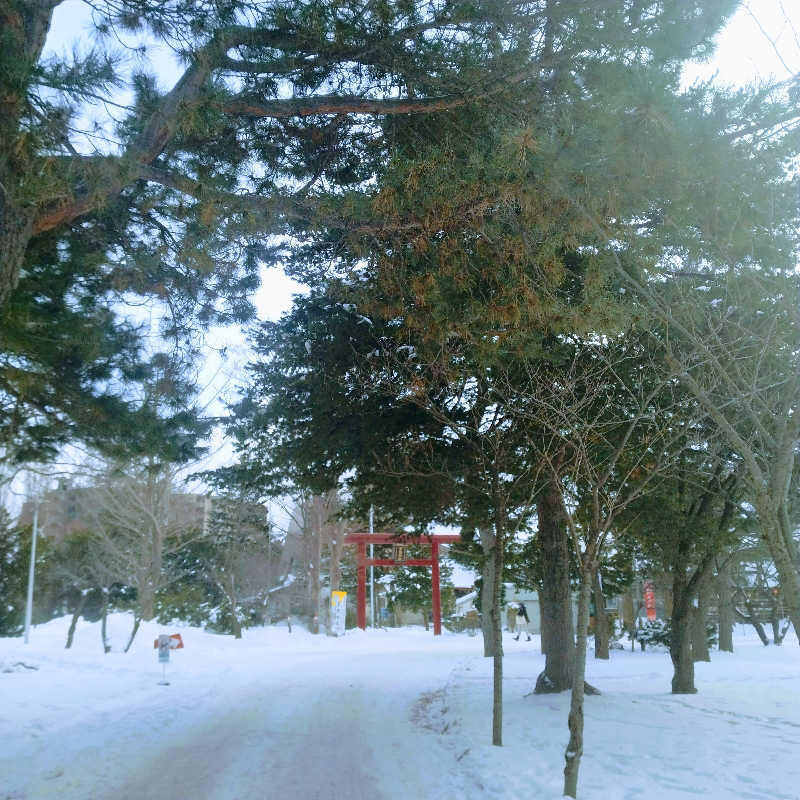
column 379, row 715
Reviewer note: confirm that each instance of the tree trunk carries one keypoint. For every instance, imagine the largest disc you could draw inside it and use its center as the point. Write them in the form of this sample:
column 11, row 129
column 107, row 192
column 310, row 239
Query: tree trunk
column 782, row 551
column 315, row 579
column 601, row 624
column 751, row 617
column 680, row 646
column 236, row 626
column 75, row 617
column 230, row 590
column 136, row 622
column 699, row 639
column 487, row 590
column 628, row 610
column 497, row 641
column 336, row 547
column 574, row 751
column 542, row 629
column 16, row 227
column 146, row 600
column 103, row 620
column 725, row 606
column 555, row 594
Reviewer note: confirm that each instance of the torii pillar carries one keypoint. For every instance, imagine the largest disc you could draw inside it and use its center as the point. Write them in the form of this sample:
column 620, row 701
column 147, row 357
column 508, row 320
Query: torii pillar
column 361, row 540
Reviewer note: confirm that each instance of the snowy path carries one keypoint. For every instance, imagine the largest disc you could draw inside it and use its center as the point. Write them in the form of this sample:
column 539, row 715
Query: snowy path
column 383, row 715
column 314, row 725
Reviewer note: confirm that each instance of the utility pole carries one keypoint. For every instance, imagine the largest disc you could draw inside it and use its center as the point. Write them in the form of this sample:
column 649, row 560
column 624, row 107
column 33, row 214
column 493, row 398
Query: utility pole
column 372, row 569
column 29, row 603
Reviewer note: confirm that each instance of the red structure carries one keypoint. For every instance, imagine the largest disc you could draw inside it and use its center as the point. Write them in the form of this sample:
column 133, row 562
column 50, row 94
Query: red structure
column 361, row 540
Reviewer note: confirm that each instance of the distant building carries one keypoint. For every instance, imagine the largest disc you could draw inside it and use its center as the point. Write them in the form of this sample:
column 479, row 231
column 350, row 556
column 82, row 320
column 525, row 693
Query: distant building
column 64, row 511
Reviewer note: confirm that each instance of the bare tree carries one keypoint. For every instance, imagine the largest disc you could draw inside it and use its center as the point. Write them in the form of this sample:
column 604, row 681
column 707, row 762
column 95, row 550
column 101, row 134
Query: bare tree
column 315, row 533
column 593, row 411
column 743, row 366
column 138, row 518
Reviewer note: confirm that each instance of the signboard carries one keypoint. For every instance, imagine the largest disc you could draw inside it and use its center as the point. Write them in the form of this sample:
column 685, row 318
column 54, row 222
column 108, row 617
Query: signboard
column 338, row 608
column 165, row 643
column 163, row 648
column 650, row 599
column 399, row 553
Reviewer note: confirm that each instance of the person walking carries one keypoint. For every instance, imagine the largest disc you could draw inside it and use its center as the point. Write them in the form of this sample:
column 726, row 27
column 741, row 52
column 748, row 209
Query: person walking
column 522, row 622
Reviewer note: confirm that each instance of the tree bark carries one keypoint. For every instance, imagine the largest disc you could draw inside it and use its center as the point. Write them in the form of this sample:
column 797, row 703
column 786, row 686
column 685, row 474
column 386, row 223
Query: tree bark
column 601, row 624
column 725, row 606
column 75, row 617
column 487, row 590
column 497, row 640
column 555, row 594
column 772, row 523
column 230, row 590
column 628, row 610
column 680, row 647
column 751, row 617
column 542, row 628
column 574, row 751
column 315, row 587
column 146, row 600
column 103, row 621
column 136, row 622
column 15, row 233
column 699, row 639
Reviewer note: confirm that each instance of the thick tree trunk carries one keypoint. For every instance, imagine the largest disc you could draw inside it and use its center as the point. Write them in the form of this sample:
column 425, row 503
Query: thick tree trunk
column 680, row 647
column 601, row 624
column 699, row 640
column 574, row 751
column 15, row 234
column 725, row 606
column 75, row 617
column 542, row 629
column 555, row 595
column 146, row 600
column 336, row 547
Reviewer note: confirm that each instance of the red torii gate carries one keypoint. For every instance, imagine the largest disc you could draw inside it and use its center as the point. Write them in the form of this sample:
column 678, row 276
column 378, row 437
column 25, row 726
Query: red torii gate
column 361, row 540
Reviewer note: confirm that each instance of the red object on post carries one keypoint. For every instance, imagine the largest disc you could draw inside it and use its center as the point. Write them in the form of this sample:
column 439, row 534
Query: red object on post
column 650, row 599
column 361, row 540
column 175, row 642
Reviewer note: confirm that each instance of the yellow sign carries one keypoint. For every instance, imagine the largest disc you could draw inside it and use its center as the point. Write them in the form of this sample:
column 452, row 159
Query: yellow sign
column 338, row 607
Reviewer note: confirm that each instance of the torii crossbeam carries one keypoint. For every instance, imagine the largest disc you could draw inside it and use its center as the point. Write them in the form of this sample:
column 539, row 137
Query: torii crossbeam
column 361, row 540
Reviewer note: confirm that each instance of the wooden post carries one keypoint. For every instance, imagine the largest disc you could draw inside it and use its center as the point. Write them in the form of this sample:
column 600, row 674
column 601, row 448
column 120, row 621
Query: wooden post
column 361, row 596
column 437, row 598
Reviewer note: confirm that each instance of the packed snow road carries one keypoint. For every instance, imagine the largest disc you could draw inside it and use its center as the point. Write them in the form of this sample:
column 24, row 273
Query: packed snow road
column 382, row 715
column 319, row 722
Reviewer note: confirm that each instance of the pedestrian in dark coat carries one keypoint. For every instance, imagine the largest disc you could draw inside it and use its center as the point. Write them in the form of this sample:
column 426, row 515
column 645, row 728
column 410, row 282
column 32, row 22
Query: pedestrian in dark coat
column 522, row 622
